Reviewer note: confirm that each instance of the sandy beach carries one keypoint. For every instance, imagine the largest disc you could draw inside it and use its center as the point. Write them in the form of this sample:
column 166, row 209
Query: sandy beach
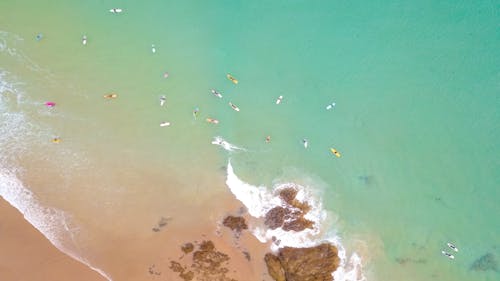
column 27, row 255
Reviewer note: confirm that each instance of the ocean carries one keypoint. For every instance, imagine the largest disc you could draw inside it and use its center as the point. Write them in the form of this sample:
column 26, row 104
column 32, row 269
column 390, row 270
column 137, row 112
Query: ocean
column 415, row 87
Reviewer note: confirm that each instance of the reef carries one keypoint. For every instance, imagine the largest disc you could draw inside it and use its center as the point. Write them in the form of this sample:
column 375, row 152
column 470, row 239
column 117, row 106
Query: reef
column 289, row 216
column 303, row 264
column 485, row 263
column 207, row 263
column 236, row 224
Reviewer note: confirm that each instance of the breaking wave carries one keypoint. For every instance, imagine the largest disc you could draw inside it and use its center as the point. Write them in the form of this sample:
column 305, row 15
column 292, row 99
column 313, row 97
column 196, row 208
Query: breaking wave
column 259, row 200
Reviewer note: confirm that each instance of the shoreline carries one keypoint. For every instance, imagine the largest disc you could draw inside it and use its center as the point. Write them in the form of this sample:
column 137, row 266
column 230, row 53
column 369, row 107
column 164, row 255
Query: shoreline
column 28, row 255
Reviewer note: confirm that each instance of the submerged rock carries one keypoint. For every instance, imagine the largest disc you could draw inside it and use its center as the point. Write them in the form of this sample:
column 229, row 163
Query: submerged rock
column 485, row 263
column 303, row 264
column 235, row 223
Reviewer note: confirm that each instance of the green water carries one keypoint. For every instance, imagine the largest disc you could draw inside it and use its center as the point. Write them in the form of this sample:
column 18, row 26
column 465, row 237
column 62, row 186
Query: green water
column 416, row 87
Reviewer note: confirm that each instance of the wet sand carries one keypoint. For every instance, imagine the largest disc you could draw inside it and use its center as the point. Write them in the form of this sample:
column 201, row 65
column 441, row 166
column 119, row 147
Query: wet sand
column 27, row 255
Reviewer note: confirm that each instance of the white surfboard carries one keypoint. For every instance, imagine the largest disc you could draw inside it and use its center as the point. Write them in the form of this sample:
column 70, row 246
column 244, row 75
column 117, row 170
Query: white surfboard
column 453, row 247
column 330, row 106
column 280, row 98
column 116, row 10
column 164, row 124
column 234, row 106
column 450, row 256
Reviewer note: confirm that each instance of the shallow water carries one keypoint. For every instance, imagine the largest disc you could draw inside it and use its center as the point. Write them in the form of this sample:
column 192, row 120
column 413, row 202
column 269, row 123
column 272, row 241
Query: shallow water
column 415, row 120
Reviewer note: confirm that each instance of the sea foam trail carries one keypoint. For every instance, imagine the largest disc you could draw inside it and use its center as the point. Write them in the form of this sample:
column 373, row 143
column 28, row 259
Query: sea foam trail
column 225, row 144
column 259, row 200
column 16, row 133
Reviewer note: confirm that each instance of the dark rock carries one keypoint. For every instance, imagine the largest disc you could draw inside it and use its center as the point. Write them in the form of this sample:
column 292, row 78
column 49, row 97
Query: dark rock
column 485, row 263
column 274, row 267
column 235, row 223
column 275, row 217
column 303, row 264
column 187, row 248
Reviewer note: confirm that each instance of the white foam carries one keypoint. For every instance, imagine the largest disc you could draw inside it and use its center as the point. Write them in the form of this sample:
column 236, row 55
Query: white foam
column 225, row 144
column 17, row 134
column 259, row 200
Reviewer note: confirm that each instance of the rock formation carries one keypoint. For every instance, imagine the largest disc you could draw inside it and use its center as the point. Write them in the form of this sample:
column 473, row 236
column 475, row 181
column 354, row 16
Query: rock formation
column 303, row 264
column 290, row 216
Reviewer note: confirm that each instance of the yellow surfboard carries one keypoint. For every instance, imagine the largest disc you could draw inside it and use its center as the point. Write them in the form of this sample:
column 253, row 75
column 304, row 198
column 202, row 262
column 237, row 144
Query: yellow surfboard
column 335, row 152
column 230, row 77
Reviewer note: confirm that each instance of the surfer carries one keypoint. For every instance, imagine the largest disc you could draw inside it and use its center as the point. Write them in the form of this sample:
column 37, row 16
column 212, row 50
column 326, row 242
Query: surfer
column 115, row 10
column 56, row 140
column 234, row 106
column 448, row 254
column 39, row 37
column 305, row 143
column 217, row 94
column 330, row 106
column 195, row 112
column 111, row 96
column 50, row 104
column 280, row 98
column 84, row 40
column 232, row 79
column 153, row 48
column 164, row 124
column 453, row 247
column 163, row 99
column 165, row 75
column 213, row 121
column 268, row 139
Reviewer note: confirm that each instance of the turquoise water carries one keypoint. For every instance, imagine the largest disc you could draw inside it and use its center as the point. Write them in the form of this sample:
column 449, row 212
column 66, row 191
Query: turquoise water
column 416, row 117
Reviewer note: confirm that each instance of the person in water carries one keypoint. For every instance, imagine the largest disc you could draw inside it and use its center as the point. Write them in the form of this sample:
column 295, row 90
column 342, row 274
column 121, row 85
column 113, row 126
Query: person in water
column 268, row 139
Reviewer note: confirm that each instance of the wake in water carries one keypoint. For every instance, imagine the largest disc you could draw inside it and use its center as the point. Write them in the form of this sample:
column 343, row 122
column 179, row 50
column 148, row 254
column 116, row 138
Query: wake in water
column 226, row 145
column 293, row 217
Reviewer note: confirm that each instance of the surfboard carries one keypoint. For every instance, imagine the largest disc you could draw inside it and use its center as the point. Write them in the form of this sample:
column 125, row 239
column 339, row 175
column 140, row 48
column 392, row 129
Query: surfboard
column 448, row 255
column 453, row 247
column 116, row 10
column 234, row 106
column 305, row 142
column 213, row 121
column 335, row 152
column 110, row 96
column 217, row 94
column 164, row 124
column 230, row 77
column 280, row 98
column 330, row 106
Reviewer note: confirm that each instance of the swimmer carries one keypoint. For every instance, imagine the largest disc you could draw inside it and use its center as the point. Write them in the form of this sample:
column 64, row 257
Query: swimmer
column 453, row 247
column 234, row 106
column 330, row 106
column 213, row 121
column 195, row 112
column 153, row 48
column 217, row 94
column 230, row 77
column 163, row 99
column 305, row 143
column 39, row 37
column 50, row 104
column 280, row 98
column 164, row 124
column 268, row 139
column 448, row 255
column 116, row 10
column 84, row 40
column 111, row 96
column 56, row 140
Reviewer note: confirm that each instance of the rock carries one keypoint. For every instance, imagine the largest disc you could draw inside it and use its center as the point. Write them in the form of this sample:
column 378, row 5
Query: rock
column 235, row 223
column 303, row 264
column 274, row 267
column 485, row 263
column 275, row 217
column 187, row 248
